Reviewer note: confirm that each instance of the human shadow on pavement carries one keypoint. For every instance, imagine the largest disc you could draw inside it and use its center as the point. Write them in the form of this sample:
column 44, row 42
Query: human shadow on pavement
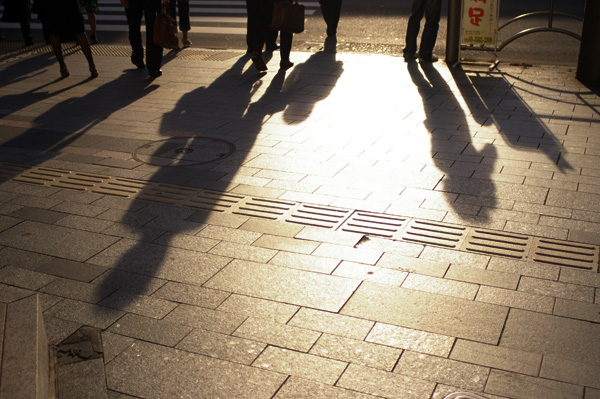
column 172, row 244
column 448, row 148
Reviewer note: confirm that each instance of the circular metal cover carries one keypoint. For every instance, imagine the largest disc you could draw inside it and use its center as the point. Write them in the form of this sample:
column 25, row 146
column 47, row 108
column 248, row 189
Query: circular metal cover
column 463, row 395
column 183, row 151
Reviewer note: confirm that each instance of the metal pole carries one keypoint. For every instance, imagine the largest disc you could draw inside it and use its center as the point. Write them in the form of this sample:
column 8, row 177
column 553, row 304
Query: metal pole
column 453, row 32
column 588, row 65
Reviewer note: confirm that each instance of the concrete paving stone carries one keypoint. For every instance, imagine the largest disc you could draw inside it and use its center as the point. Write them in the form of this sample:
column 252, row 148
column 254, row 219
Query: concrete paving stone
column 523, row 217
column 191, row 295
column 496, row 357
column 239, row 236
column 134, row 232
column 84, row 313
column 257, row 225
column 356, row 352
column 24, row 278
column 520, row 386
column 57, row 330
column 552, row 335
column 407, row 249
column 286, row 185
column 301, row 365
column 305, row 262
column 114, row 344
column 166, row 211
column 587, row 216
column 537, row 230
column 316, row 199
column 442, row 391
column 515, row 299
column 278, row 175
column 256, row 307
column 543, row 209
column 78, row 208
column 148, row 370
column 185, row 241
column 150, row 329
column 22, row 259
column 77, row 290
column 222, row 346
column 414, row 340
column 294, row 165
column 300, row 388
column 130, row 218
column 557, row 368
column 242, row 251
column 139, row 304
column 6, row 208
column 81, row 380
column 370, row 273
column 49, row 240
column 38, row 214
column 584, row 237
column 114, row 279
column 527, row 172
column 29, row 189
column 84, row 223
column 484, row 277
column 327, row 236
column 556, row 289
column 35, row 202
column 574, row 200
column 286, row 244
column 282, row 284
column 9, row 293
column 359, row 255
column 382, row 383
column 282, row 335
column 579, row 277
column 412, row 265
column 117, row 203
column 426, row 311
column 577, row 310
column 159, row 261
column 331, row 323
column 442, row 370
column 561, row 223
column 591, row 393
column 219, row 219
column 455, row 257
column 524, row 268
column 437, row 285
column 175, row 225
column 207, row 319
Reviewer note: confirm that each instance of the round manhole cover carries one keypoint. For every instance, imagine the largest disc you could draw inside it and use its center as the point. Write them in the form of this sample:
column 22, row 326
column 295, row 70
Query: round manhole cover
column 183, row 151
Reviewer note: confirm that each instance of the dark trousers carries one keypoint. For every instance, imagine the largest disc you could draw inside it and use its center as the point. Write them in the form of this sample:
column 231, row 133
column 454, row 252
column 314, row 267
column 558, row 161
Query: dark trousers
column 183, row 7
column 432, row 10
column 260, row 14
column 331, row 14
column 146, row 9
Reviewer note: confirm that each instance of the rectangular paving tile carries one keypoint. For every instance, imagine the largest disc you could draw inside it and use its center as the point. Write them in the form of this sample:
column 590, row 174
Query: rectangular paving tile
column 429, row 312
column 278, row 334
column 139, row 304
column 71, row 270
column 207, row 319
column 299, row 364
column 24, row 278
column 557, row 289
column 147, row 370
column 497, row 357
column 191, row 295
column 577, row 310
column 385, row 384
column 77, row 245
column 547, row 334
column 257, row 307
column 222, row 346
column 282, row 284
column 300, row 388
column 515, row 299
column 309, row 263
column 331, row 323
column 84, row 313
column 519, row 386
column 483, row 277
column 437, row 285
column 414, row 340
column 356, row 351
column 573, row 372
column 442, row 370
column 149, row 329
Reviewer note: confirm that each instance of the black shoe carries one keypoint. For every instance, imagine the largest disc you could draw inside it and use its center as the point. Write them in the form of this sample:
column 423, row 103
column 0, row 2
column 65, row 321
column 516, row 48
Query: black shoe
column 410, row 57
column 155, row 73
column 272, row 47
column 139, row 64
column 431, row 58
column 93, row 39
column 258, row 61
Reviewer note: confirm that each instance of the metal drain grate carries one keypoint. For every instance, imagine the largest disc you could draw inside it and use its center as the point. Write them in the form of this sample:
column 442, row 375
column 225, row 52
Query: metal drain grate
column 444, row 235
column 497, row 243
column 319, row 216
column 564, row 253
column 264, row 208
column 374, row 224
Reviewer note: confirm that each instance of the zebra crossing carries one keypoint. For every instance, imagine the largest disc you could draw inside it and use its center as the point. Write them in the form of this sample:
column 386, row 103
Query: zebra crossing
column 221, row 17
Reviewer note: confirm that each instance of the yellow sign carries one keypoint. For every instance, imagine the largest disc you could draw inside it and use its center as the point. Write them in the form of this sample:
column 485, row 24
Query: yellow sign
column 479, row 22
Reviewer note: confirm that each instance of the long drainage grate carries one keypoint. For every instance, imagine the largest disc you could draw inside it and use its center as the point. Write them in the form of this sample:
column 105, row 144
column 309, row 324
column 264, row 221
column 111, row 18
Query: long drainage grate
column 395, row 227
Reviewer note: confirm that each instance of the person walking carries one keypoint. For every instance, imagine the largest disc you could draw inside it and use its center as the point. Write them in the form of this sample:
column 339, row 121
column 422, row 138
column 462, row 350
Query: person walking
column 183, row 6
column 331, row 14
column 135, row 10
column 19, row 11
column 252, row 9
column 260, row 16
column 90, row 7
column 432, row 10
column 63, row 18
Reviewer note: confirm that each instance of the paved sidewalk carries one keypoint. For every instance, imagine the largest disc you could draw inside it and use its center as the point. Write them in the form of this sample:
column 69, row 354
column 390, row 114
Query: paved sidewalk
column 355, row 227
